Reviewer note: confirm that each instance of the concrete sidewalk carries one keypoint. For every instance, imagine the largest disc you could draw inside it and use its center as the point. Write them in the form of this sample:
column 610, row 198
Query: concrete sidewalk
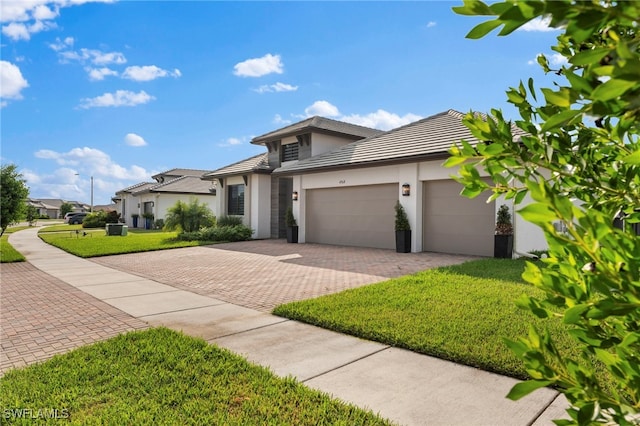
column 403, row 386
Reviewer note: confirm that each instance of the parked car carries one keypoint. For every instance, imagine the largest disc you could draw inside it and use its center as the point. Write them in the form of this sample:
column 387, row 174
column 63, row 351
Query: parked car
column 75, row 218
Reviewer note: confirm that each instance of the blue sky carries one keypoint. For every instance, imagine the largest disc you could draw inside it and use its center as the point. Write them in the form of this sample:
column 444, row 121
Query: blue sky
column 124, row 90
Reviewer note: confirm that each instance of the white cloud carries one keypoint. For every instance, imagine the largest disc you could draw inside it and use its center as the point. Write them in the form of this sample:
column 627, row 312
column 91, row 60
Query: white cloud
column 98, row 74
column 62, row 44
column 381, row 119
column 26, row 17
column 231, row 142
column 277, row 119
column 431, row 24
column 257, row 67
column 117, row 99
column 278, row 87
column 555, row 59
column 83, row 56
column 132, row 139
column 538, row 25
column 91, row 161
column 322, row 108
column 11, row 82
column 148, row 73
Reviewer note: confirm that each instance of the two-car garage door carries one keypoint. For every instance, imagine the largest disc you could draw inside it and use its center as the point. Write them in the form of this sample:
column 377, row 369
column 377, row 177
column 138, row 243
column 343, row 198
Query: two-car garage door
column 456, row 224
column 363, row 216
column 360, row 216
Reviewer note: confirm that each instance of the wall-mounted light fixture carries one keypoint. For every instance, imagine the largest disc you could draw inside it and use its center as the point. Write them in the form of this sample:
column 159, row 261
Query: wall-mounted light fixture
column 294, row 196
column 406, row 189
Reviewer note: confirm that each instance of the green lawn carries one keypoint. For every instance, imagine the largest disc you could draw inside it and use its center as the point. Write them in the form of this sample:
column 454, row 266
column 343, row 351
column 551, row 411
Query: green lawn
column 460, row 313
column 97, row 243
column 161, row 377
column 8, row 254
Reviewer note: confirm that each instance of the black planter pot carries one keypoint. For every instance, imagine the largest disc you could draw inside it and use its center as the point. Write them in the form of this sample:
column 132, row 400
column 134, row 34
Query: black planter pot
column 403, row 241
column 292, row 234
column 503, row 246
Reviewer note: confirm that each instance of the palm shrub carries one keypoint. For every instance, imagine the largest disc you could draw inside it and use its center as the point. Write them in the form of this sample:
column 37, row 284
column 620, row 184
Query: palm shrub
column 188, row 217
column 229, row 220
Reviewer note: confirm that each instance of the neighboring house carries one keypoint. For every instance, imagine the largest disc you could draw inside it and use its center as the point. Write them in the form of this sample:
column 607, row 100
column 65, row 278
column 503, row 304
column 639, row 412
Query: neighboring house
column 346, row 179
column 51, row 206
column 248, row 188
column 157, row 197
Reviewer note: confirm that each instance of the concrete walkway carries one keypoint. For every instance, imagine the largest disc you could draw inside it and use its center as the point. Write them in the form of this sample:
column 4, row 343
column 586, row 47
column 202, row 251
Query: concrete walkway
column 403, row 386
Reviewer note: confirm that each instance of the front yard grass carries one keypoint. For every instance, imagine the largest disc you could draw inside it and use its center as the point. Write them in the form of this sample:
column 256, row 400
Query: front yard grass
column 8, row 253
column 460, row 313
column 97, row 243
column 159, row 376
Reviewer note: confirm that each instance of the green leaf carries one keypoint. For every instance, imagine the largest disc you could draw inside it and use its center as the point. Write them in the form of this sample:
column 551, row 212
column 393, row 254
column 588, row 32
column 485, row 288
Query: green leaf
column 483, row 29
column 559, row 120
column 589, row 57
column 612, row 89
column 573, row 315
column 633, row 158
column 472, row 8
column 560, row 98
column 537, row 213
column 525, row 388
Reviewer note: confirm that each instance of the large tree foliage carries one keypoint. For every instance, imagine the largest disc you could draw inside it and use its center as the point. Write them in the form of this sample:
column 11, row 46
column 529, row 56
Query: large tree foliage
column 580, row 162
column 189, row 217
column 13, row 196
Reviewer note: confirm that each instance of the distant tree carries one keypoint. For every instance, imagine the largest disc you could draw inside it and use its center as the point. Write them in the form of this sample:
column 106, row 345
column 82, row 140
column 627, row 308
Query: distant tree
column 13, row 196
column 189, row 217
column 31, row 215
column 65, row 208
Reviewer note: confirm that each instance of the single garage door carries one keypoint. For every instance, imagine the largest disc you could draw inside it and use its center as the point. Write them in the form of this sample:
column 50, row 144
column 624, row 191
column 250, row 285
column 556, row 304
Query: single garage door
column 360, row 216
column 456, row 224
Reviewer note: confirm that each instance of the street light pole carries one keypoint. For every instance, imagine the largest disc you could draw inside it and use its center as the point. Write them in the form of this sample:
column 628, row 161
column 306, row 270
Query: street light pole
column 91, row 194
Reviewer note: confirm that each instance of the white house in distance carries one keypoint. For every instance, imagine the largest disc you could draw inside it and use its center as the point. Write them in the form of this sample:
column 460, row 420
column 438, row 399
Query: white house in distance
column 343, row 181
column 157, row 197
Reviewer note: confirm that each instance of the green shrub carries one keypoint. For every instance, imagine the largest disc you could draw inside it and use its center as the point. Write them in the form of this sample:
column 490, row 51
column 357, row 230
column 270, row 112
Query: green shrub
column 229, row 220
column 219, row 233
column 95, row 220
column 188, row 217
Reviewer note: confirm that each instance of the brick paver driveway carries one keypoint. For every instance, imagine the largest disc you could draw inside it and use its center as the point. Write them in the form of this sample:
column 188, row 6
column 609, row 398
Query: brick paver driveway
column 265, row 273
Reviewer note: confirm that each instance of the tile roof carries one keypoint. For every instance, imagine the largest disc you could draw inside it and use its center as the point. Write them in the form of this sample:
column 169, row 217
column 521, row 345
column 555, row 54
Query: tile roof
column 256, row 164
column 137, row 187
column 182, row 185
column 181, row 172
column 429, row 137
column 316, row 123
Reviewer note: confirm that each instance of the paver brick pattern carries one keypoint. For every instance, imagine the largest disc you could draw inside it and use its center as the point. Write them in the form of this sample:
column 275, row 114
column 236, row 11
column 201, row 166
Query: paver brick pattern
column 41, row 316
column 262, row 274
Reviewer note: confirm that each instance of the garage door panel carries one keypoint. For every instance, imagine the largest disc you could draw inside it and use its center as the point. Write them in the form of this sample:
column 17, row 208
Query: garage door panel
column 355, row 216
column 456, row 224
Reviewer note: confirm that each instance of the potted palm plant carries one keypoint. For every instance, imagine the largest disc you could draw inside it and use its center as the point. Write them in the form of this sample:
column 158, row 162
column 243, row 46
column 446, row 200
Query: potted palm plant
column 403, row 230
column 503, row 239
column 148, row 220
column 292, row 226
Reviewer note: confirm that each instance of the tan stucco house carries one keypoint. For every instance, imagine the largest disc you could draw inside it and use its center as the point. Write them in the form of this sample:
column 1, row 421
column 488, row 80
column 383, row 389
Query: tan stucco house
column 343, row 181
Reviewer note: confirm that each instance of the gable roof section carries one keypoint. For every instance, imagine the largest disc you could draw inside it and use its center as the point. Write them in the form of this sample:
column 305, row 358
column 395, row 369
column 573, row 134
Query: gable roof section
column 318, row 124
column 137, row 187
column 181, row 185
column 430, row 137
column 180, row 172
column 256, row 164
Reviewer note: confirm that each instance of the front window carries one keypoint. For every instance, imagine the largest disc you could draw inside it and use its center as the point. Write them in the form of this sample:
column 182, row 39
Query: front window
column 235, row 205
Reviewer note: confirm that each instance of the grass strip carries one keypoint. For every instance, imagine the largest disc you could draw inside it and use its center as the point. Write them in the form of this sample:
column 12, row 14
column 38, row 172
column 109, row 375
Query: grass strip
column 460, row 313
column 162, row 377
column 8, row 254
column 97, row 243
